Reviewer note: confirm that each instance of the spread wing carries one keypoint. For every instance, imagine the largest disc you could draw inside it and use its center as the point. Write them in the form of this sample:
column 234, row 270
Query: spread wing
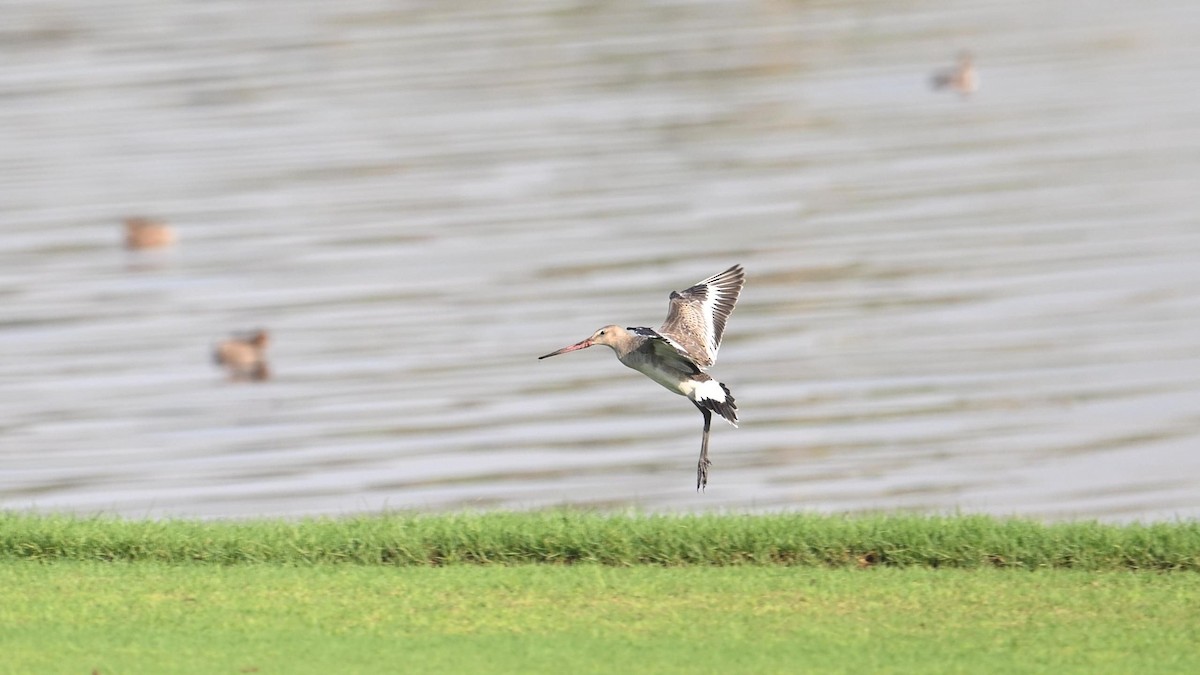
column 696, row 318
column 662, row 348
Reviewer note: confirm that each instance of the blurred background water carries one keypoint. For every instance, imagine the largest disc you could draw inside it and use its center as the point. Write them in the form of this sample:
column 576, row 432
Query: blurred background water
column 980, row 304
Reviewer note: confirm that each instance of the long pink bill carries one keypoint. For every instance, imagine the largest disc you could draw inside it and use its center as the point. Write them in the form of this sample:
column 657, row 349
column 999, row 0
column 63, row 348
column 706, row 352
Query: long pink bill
column 578, row 345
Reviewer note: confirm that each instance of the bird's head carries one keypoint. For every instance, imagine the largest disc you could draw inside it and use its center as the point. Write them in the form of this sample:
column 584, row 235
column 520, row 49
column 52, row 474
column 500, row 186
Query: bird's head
column 608, row 335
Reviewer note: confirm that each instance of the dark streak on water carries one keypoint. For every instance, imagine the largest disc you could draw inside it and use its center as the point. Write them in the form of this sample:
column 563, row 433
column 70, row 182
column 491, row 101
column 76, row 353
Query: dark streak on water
column 988, row 305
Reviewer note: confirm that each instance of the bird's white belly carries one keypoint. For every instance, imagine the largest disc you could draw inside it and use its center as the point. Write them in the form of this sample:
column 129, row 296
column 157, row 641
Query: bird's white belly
column 671, row 380
column 674, row 380
column 678, row 381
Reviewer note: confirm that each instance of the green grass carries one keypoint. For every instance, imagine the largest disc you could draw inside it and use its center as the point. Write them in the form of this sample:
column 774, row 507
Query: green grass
column 581, row 592
column 568, row 537
column 80, row 617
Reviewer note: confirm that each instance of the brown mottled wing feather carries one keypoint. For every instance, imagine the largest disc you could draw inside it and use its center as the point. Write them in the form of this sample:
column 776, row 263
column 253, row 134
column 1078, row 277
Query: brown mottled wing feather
column 664, row 349
column 696, row 318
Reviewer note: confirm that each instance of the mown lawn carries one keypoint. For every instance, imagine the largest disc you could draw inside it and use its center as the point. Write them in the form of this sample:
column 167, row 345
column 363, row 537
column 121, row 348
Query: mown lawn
column 572, row 537
column 72, row 616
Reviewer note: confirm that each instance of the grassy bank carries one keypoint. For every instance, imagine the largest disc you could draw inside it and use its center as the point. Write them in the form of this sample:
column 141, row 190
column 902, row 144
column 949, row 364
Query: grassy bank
column 618, row 540
column 612, row 593
column 79, row 617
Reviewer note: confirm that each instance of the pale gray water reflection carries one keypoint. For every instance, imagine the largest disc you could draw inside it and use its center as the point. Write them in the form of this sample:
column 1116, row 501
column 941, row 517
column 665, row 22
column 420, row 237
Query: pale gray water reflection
column 989, row 304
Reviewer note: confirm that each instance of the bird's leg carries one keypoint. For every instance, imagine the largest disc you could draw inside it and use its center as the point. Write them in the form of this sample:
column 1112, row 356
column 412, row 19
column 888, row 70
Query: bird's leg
column 703, row 464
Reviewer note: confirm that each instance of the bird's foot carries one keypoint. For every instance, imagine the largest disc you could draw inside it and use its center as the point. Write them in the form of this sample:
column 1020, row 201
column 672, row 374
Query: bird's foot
column 702, row 474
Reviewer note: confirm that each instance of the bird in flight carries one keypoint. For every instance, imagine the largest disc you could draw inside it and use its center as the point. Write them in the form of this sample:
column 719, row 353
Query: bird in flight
column 677, row 354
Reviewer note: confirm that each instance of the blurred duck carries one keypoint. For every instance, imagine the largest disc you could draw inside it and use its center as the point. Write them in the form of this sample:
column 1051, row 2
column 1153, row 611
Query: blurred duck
column 147, row 233
column 244, row 356
column 961, row 78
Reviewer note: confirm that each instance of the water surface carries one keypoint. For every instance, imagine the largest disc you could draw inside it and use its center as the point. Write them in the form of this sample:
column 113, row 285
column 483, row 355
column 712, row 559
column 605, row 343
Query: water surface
column 989, row 304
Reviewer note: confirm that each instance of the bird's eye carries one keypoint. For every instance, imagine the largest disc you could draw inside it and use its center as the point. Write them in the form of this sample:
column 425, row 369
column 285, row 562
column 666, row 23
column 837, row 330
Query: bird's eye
column 602, row 332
